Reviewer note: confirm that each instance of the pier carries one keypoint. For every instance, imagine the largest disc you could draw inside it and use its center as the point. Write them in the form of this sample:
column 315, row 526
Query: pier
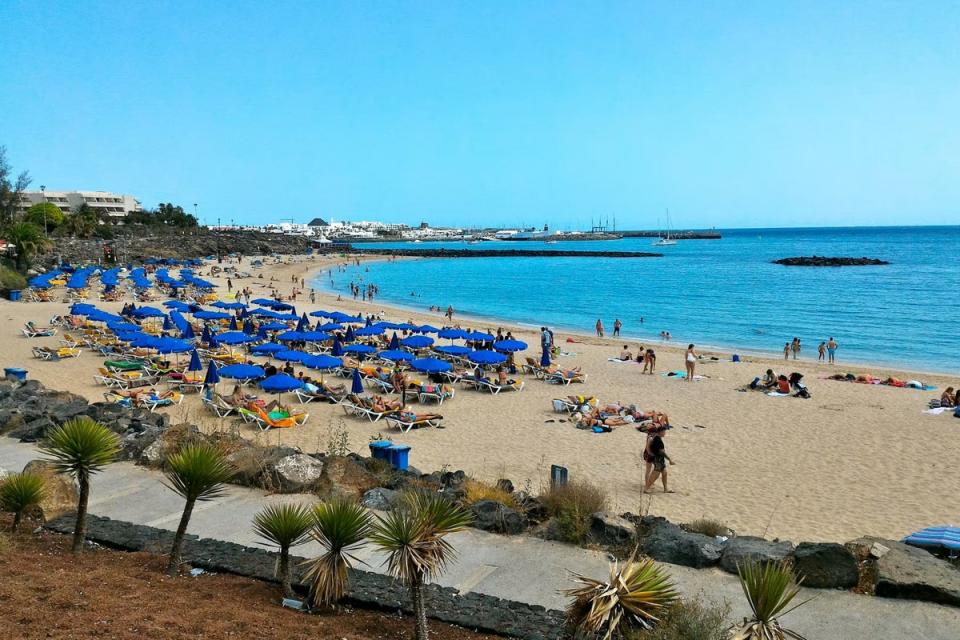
column 487, row 253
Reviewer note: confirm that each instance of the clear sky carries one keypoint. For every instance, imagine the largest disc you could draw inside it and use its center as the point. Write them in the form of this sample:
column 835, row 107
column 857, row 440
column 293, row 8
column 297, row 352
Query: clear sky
column 494, row 112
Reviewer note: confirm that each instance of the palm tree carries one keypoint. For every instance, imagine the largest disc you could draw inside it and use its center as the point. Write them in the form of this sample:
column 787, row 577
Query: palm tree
column 27, row 240
column 81, row 447
column 769, row 588
column 197, row 472
column 339, row 526
column 20, row 492
column 413, row 537
column 284, row 526
column 634, row 594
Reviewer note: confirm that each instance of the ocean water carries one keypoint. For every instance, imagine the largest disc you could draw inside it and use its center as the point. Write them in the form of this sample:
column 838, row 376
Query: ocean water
column 721, row 293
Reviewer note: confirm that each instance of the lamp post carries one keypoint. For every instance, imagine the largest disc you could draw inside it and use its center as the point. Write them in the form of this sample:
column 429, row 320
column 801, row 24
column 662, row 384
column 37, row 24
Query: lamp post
column 43, row 193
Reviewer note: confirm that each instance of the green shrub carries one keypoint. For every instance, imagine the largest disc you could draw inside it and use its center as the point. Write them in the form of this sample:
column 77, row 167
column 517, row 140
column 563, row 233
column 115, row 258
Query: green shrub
column 10, row 280
column 571, row 505
column 45, row 213
column 689, row 620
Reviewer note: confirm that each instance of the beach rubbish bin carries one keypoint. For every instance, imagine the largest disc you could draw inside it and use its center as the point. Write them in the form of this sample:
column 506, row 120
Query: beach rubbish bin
column 399, row 456
column 15, row 372
column 558, row 475
column 14, row 295
column 378, row 450
column 735, row 357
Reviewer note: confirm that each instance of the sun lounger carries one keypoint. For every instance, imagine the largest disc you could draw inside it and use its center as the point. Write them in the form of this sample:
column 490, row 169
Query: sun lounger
column 323, row 393
column 354, row 405
column 219, row 406
column 406, row 420
column 30, row 330
column 153, row 400
column 267, row 421
column 384, row 386
column 50, row 353
column 435, row 392
column 565, row 377
column 494, row 387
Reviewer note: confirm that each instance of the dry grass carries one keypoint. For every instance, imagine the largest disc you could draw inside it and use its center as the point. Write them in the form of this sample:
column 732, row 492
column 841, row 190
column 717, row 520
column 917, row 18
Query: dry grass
column 689, row 620
column 477, row 490
column 708, row 527
column 571, row 505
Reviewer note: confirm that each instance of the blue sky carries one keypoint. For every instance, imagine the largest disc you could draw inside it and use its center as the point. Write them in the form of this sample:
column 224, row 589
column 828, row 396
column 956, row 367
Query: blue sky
column 501, row 113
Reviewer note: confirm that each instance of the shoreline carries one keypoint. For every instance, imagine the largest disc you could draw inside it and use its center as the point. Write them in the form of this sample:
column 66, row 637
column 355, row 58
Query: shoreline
column 760, row 355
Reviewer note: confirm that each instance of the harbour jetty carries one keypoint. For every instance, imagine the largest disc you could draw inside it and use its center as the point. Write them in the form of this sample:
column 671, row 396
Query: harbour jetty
column 825, row 261
column 489, row 253
column 675, row 235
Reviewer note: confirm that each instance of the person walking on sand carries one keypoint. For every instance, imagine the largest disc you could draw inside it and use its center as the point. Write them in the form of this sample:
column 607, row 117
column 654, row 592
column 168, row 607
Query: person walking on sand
column 658, row 459
column 616, row 327
column 599, row 328
column 822, row 352
column 450, row 313
column 649, row 361
column 691, row 362
column 832, row 347
column 786, row 350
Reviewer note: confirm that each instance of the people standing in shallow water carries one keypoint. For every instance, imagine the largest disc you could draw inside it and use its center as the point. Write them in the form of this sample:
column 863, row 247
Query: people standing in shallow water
column 822, row 352
column 599, row 328
column 795, row 347
column 786, row 350
column 832, row 350
column 616, row 327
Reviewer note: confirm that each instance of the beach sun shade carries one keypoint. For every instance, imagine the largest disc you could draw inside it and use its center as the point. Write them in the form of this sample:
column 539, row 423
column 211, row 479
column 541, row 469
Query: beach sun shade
column 292, row 336
column 234, row 337
column 249, row 328
column 479, row 336
column 394, row 342
column 233, row 324
column 187, row 333
column 426, row 328
column 509, row 346
column 241, row 372
column 322, row 361
column 338, row 316
column 350, row 335
column 212, row 315
column 212, row 377
column 545, row 357
column 359, row 348
column 406, row 326
column 291, row 355
column 167, row 323
column 357, row 383
column 935, row 538
column 280, row 383
column 320, row 314
column 264, row 302
column 122, row 326
column 330, row 326
column 268, row 347
column 372, row 330
column 452, row 350
column 205, row 336
column 179, row 305
column 417, row 342
column 486, row 357
column 171, row 345
column 195, row 364
column 148, row 312
column 337, row 348
column 396, row 356
column 316, row 336
column 453, row 334
column 431, row 365
column 273, row 326
column 302, row 323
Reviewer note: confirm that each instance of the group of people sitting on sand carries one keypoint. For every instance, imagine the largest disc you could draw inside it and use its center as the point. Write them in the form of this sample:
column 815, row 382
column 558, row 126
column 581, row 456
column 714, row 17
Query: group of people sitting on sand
column 950, row 398
column 646, row 357
column 780, row 384
column 590, row 414
column 866, row 378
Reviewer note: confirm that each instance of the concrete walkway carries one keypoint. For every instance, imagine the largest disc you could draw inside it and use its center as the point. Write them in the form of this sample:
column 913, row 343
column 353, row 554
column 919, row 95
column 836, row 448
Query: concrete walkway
column 516, row 568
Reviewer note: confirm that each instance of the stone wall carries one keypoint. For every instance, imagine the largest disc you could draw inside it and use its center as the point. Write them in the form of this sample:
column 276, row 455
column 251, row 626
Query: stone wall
column 367, row 589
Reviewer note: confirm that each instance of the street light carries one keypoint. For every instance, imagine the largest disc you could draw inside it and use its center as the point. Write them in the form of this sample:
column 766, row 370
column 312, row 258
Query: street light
column 43, row 192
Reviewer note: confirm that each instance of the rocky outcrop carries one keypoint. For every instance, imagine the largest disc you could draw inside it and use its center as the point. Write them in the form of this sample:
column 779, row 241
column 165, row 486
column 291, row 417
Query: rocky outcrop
column 666, row 542
column 903, row 571
column 380, row 499
column 824, row 261
column 742, row 549
column 295, row 473
column 825, row 565
column 491, row 515
column 611, row 529
column 61, row 493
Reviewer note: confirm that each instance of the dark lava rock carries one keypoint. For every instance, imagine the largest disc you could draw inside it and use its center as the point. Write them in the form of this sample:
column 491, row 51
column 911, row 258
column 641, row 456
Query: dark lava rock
column 491, row 515
column 750, row 548
column 912, row 573
column 611, row 529
column 824, row 261
column 666, row 542
column 825, row 565
column 380, row 499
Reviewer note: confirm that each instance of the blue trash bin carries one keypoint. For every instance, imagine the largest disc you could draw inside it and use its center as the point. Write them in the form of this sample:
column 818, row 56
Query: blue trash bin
column 14, row 295
column 379, row 450
column 736, row 357
column 399, row 456
column 15, row 372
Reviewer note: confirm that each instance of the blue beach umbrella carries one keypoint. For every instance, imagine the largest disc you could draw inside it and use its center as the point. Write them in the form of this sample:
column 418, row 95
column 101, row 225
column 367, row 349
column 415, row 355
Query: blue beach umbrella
column 187, row 333
column 350, row 336
column 320, row 314
column 148, row 312
column 452, row 349
column 431, row 365
column 167, row 323
column 942, row 537
column 406, row 326
column 394, row 342
column 329, row 326
column 267, row 348
column 273, row 326
column 486, row 357
column 337, row 348
column 179, row 305
column 280, row 383
column 195, row 364
column 479, row 336
column 234, row 337
column 213, row 342
column 417, row 342
column 357, row 384
column 322, row 362
column 291, row 355
column 545, row 357
column 453, row 334
column 396, row 356
column 212, row 315
column 372, row 330
column 205, row 336
column 212, row 377
column 241, row 372
column 291, row 336
column 122, row 326
column 359, row 349
column 265, row 302
column 426, row 328
column 171, row 345
column 509, row 346
column 248, row 328
column 302, row 323
column 233, row 324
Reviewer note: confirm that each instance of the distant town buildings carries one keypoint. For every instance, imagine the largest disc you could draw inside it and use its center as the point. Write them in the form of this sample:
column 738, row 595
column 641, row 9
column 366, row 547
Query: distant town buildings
column 114, row 205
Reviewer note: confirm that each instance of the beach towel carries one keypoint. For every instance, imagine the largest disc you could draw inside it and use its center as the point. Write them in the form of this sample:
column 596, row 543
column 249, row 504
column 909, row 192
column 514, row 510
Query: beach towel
column 936, row 410
column 674, row 374
column 618, row 360
column 777, row 394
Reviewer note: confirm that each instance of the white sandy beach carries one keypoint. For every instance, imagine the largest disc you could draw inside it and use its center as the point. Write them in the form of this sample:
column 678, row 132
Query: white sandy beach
column 855, row 459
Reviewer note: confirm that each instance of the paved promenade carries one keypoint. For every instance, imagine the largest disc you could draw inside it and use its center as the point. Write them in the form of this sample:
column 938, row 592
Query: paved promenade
column 517, row 568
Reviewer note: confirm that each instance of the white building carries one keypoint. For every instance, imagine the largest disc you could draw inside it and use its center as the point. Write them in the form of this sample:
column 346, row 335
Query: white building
column 115, row 205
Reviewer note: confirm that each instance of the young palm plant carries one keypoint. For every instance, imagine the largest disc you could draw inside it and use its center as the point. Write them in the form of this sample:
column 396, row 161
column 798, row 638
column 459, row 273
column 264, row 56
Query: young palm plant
column 634, row 595
column 284, row 526
column 20, row 492
column 80, row 448
column 339, row 526
column 197, row 472
column 413, row 537
column 769, row 588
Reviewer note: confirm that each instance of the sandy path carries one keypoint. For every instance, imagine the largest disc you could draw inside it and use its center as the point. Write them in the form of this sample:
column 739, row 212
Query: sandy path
column 854, row 459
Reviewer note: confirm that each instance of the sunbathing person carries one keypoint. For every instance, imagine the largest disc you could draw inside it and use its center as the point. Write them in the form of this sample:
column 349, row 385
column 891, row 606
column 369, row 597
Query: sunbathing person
column 947, row 399
column 384, row 405
column 625, row 354
column 502, row 378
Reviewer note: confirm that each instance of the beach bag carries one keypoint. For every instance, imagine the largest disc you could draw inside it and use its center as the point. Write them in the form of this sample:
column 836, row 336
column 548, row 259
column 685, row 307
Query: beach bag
column 956, row 412
column 755, row 383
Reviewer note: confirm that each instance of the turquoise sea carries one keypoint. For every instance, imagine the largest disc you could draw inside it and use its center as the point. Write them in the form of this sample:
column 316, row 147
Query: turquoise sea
column 723, row 293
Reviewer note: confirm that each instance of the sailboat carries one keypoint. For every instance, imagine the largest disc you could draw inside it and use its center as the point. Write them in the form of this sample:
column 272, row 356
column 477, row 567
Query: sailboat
column 665, row 241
